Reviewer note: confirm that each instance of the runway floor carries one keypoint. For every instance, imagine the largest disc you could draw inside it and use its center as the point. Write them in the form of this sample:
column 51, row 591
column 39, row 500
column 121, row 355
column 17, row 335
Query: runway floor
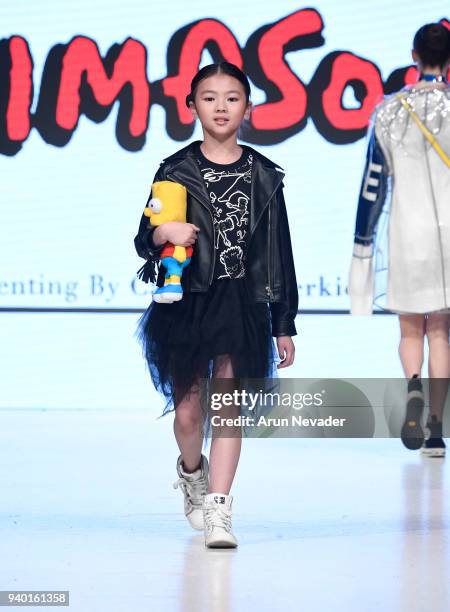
column 87, row 505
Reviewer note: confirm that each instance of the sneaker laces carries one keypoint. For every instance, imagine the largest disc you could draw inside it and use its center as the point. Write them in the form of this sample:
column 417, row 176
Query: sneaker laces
column 215, row 516
column 194, row 490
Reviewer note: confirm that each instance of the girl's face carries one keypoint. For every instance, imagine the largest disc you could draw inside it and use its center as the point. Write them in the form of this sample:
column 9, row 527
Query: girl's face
column 220, row 104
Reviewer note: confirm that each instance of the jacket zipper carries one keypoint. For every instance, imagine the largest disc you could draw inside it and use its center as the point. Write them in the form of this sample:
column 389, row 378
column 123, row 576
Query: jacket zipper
column 269, row 260
column 213, row 256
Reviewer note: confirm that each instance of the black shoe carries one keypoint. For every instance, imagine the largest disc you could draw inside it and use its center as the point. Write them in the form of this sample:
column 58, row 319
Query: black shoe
column 434, row 445
column 412, row 433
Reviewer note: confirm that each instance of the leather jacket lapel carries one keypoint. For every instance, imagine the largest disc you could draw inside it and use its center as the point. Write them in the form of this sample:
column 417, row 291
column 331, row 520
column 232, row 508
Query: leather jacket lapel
column 268, row 180
column 188, row 174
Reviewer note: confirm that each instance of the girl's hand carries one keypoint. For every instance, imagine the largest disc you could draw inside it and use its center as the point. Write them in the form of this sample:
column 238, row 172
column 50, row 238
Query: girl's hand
column 286, row 350
column 176, row 232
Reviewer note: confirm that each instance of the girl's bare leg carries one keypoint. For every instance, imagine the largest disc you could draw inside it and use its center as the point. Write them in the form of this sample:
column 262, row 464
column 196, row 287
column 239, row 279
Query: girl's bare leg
column 412, row 332
column 225, row 451
column 187, row 427
column 437, row 326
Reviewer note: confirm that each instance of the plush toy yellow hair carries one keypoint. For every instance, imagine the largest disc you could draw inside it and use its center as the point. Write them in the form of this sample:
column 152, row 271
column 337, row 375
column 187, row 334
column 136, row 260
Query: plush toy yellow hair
column 169, row 203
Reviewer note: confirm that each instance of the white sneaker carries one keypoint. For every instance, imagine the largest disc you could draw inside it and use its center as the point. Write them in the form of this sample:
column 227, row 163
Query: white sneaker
column 217, row 517
column 194, row 486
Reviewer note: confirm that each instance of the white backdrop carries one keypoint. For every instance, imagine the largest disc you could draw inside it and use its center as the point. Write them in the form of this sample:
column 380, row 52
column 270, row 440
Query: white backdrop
column 70, row 213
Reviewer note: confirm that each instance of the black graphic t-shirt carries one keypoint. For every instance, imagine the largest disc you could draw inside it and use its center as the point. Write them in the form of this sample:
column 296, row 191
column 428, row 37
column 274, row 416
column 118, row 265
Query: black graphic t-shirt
column 228, row 186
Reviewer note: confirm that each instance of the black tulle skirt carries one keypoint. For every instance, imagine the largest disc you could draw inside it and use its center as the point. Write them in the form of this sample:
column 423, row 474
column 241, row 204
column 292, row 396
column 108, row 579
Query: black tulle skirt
column 180, row 341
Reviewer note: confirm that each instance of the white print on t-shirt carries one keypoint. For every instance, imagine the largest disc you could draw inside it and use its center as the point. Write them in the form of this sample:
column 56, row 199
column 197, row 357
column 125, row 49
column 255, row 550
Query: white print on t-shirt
column 235, row 204
column 222, row 227
column 232, row 260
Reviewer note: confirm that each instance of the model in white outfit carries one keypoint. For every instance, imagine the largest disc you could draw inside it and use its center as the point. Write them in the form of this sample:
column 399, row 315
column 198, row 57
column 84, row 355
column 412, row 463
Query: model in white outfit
column 403, row 165
column 404, row 204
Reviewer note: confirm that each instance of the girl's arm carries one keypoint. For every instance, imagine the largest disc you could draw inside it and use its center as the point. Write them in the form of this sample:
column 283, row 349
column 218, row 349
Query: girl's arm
column 283, row 313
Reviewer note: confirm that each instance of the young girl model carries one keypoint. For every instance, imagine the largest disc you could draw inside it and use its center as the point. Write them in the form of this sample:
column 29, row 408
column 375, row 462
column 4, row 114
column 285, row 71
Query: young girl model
column 410, row 147
column 240, row 288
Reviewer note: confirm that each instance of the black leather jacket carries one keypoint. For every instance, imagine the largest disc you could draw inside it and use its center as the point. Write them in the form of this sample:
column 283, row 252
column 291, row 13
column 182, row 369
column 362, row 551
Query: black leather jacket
column 269, row 264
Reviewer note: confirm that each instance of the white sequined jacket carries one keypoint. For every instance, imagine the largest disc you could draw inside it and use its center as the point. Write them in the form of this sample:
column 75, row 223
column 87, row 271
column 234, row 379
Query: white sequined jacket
column 401, row 254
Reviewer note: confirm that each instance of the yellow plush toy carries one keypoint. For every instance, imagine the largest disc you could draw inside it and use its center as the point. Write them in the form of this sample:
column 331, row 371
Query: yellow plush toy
column 169, row 203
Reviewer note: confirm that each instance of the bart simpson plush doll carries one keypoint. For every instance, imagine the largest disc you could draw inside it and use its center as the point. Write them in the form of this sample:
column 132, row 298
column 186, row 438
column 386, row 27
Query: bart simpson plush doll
column 168, row 203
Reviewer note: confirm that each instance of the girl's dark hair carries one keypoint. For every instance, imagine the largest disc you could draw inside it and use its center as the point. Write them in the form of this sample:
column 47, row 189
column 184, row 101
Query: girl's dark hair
column 432, row 44
column 218, row 68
